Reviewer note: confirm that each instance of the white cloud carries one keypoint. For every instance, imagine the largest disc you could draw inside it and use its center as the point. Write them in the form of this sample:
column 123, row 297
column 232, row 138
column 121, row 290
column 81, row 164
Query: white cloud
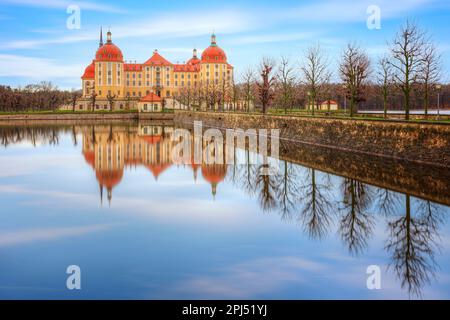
column 348, row 11
column 271, row 38
column 191, row 23
column 63, row 4
column 8, row 239
column 184, row 210
column 36, row 68
column 251, row 278
column 172, row 25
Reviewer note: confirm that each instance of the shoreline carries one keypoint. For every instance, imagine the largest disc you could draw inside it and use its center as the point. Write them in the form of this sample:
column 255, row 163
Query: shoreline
column 423, row 143
column 416, row 141
column 122, row 116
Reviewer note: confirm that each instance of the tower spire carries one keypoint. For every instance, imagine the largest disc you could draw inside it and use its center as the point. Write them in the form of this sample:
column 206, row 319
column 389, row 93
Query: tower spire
column 108, row 36
column 213, row 39
column 101, row 37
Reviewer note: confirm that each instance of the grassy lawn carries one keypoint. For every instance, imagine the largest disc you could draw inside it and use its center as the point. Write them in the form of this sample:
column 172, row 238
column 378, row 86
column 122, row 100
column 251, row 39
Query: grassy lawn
column 320, row 114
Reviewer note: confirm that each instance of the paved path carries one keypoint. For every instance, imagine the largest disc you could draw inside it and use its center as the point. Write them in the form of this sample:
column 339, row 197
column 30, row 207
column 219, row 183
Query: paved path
column 441, row 112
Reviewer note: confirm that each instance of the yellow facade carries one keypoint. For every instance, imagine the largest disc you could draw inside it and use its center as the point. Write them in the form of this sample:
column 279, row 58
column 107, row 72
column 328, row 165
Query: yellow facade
column 118, row 84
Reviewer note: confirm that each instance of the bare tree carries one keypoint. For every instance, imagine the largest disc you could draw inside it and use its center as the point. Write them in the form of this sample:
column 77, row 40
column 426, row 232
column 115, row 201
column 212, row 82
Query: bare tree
column 111, row 98
column 286, row 79
column 430, row 72
column 236, row 94
column 75, row 94
column 354, row 70
column 406, row 52
column 248, row 78
column 315, row 72
column 384, row 79
column 93, row 100
column 266, row 83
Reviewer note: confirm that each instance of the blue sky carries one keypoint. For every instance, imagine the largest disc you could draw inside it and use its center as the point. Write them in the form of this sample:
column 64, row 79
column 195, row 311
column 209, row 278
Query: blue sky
column 36, row 45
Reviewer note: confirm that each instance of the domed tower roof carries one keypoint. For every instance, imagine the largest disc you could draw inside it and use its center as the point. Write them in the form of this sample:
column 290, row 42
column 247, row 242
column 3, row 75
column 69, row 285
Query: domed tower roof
column 89, row 72
column 109, row 178
column 109, row 51
column 89, row 156
column 214, row 174
column 214, row 54
column 194, row 60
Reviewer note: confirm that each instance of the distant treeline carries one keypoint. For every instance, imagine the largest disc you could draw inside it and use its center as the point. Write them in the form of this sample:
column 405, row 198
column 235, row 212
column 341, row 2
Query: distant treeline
column 34, row 97
column 372, row 98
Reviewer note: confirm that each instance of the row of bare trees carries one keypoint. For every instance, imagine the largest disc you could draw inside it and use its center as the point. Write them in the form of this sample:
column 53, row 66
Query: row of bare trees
column 35, row 97
column 406, row 78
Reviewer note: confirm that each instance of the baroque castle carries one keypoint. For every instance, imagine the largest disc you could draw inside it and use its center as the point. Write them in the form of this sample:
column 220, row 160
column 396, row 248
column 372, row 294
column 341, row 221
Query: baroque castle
column 110, row 83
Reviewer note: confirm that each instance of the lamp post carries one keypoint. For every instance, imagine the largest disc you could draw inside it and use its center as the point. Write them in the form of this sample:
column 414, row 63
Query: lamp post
column 438, row 87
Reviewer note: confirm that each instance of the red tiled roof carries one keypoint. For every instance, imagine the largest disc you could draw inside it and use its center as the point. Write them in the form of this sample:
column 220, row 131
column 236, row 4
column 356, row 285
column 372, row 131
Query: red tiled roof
column 109, row 178
column 89, row 156
column 214, row 54
column 151, row 139
column 186, row 68
column 151, row 97
column 132, row 67
column 331, row 102
column 89, row 72
column 157, row 60
column 214, row 173
column 109, row 52
column 158, row 169
column 193, row 61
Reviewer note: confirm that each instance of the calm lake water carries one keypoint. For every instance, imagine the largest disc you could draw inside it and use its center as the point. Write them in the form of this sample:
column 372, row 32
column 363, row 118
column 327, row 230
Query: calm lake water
column 108, row 199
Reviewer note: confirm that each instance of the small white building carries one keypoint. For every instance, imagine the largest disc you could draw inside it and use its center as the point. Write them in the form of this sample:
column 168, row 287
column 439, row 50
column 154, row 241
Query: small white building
column 150, row 103
column 333, row 105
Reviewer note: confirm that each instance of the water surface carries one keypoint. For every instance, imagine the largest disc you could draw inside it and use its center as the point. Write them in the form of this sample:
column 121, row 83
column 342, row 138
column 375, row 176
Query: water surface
column 109, row 199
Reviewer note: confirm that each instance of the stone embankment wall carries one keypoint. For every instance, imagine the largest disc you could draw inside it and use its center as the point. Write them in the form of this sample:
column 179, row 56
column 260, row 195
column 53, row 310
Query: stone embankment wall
column 412, row 141
column 85, row 116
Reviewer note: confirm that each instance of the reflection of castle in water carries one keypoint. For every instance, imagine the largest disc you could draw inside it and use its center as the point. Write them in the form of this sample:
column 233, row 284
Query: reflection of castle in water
column 320, row 202
column 109, row 152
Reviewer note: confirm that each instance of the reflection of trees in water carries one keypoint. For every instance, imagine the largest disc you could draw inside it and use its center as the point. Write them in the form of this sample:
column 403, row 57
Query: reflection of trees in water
column 244, row 176
column 412, row 244
column 74, row 136
column 316, row 207
column 266, row 188
column 46, row 135
column 305, row 195
column 387, row 201
column 356, row 224
column 287, row 190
